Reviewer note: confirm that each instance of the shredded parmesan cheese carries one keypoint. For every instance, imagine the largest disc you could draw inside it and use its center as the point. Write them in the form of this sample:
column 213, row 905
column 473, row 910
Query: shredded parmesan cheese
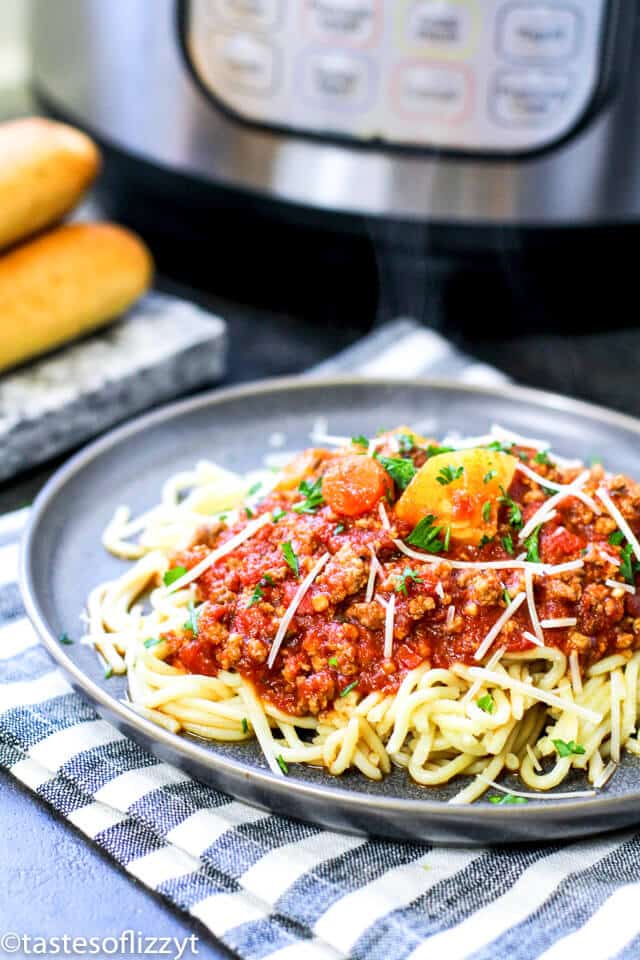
column 252, row 527
column 606, row 775
column 499, row 433
column 439, row 589
column 374, row 569
column 567, row 567
column 498, row 625
column 531, row 603
column 574, row 669
column 293, row 606
column 618, row 585
column 532, row 637
column 537, row 796
column 534, row 760
column 517, row 563
column 560, row 487
column 492, row 662
column 384, row 518
column 540, row 516
column 388, row 626
column 558, row 622
column 603, row 554
column 451, row 615
column 603, row 495
column 529, row 690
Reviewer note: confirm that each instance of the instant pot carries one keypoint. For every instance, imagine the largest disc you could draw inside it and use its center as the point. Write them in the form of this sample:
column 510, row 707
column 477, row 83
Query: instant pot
column 377, row 155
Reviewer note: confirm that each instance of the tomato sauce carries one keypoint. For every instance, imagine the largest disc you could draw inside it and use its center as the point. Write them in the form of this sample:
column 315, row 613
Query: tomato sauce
column 335, row 641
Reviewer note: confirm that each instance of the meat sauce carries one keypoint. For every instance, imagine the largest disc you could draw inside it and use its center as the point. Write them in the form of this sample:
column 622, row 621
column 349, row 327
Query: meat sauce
column 335, row 640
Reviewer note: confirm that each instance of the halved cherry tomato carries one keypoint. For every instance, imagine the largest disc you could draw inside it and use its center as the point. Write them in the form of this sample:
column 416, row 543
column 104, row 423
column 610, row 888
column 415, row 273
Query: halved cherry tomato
column 353, row 485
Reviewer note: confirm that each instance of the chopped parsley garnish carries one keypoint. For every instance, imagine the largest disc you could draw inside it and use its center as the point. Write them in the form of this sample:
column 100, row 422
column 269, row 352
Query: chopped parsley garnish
column 191, row 622
column 448, row 474
column 486, row 703
column 282, row 764
column 278, row 514
column 401, row 471
column 65, row 640
column 425, row 535
column 515, row 513
column 498, row 446
column 333, row 661
column 338, row 529
column 486, row 511
column 485, row 540
column 245, row 725
column 348, row 688
column 406, row 442
column 567, row 748
column 172, row 575
column 628, row 565
column 254, row 489
column 507, row 543
column 506, row 596
column 542, row 457
column 256, row 596
column 616, row 538
column 312, row 497
column 249, row 512
column 433, row 451
column 401, row 580
column 152, row 642
column 447, row 538
column 532, row 543
column 289, row 555
column 108, row 673
column 489, row 475
column 267, row 581
column 506, row 798
column 360, row 441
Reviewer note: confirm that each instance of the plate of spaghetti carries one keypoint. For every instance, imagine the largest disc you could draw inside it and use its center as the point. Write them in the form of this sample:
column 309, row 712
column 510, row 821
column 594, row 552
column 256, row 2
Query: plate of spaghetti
column 400, row 608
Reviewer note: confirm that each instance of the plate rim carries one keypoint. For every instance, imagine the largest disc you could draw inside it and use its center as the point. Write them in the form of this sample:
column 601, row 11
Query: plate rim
column 190, row 750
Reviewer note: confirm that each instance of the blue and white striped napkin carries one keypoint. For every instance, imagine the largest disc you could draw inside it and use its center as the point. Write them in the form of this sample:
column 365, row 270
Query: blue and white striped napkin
column 274, row 889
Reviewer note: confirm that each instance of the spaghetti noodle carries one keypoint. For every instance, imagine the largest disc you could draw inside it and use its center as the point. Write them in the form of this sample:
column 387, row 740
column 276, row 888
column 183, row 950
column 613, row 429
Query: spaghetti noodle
column 367, row 607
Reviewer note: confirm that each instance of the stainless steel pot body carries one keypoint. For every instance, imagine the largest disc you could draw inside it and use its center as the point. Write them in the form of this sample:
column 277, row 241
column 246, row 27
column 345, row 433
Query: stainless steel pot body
column 479, row 112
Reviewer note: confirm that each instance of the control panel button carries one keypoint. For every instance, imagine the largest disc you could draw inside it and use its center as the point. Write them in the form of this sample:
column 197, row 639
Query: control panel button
column 353, row 21
column 539, row 32
column 529, row 97
column 338, row 79
column 247, row 62
column 433, row 91
column 250, row 13
column 439, row 23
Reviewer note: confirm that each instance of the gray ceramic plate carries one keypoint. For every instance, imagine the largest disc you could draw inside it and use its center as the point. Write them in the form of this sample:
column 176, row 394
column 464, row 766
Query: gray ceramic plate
column 62, row 559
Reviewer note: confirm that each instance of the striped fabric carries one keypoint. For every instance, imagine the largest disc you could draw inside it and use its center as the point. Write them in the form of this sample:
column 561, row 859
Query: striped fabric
column 404, row 348
column 274, row 889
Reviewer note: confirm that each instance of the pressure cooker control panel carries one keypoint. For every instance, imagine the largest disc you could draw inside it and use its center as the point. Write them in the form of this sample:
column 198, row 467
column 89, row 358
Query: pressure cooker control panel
column 485, row 75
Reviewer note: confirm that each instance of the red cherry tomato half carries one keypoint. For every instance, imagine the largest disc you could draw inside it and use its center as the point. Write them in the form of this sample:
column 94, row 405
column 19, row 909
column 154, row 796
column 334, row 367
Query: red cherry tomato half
column 353, row 485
